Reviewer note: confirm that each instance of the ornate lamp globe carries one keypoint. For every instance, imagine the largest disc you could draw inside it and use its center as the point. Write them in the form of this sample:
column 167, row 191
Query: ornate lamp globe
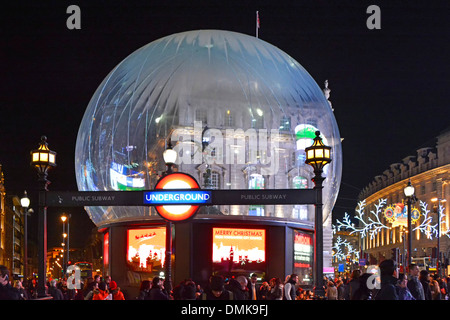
column 409, row 190
column 318, row 155
column 25, row 201
column 43, row 158
column 169, row 156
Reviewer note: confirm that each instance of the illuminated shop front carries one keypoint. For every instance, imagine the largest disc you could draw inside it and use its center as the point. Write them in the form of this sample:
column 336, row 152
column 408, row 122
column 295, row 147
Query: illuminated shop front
column 239, row 112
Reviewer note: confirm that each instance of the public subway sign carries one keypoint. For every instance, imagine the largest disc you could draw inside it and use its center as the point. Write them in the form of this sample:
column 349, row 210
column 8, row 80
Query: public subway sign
column 167, row 197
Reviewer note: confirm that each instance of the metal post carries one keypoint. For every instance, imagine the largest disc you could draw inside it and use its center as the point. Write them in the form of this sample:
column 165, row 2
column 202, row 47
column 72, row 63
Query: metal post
column 25, row 247
column 409, row 202
column 42, row 235
column 168, row 261
column 318, row 238
column 438, row 240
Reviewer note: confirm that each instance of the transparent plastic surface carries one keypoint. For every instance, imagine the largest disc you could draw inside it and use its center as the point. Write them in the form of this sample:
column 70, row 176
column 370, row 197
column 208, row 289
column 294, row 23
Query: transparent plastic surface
column 238, row 111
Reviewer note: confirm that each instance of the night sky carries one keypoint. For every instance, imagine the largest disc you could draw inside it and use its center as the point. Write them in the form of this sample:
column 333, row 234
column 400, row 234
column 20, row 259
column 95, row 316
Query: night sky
column 389, row 86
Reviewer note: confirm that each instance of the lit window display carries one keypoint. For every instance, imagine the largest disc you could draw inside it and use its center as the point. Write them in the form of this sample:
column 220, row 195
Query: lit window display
column 303, row 257
column 237, row 249
column 146, row 249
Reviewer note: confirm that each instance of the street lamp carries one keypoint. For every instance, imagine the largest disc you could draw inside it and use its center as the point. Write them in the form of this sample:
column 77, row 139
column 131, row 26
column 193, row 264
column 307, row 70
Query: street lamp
column 409, row 193
column 42, row 159
column 170, row 156
column 438, row 264
column 318, row 155
column 25, row 203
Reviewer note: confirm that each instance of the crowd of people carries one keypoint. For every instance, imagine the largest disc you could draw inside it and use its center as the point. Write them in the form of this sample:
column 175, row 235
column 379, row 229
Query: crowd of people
column 95, row 288
column 222, row 288
column 388, row 284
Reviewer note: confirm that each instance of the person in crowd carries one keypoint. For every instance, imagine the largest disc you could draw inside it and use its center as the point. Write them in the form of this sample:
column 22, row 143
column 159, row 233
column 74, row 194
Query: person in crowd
column 107, row 281
column 189, row 291
column 424, row 278
column 414, row 284
column 363, row 292
column 264, row 290
column 144, row 290
column 352, row 285
column 238, row 286
column 101, row 292
column 216, row 290
column 7, row 292
column 402, row 288
column 115, row 291
column 388, row 273
column 443, row 285
column 340, row 289
column 23, row 294
column 90, row 294
column 331, row 292
column 253, row 288
column 434, row 287
column 157, row 291
column 54, row 291
column 289, row 287
column 275, row 289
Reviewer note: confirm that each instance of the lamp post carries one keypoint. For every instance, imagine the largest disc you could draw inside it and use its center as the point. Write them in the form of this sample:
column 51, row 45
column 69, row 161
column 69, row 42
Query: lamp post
column 409, row 193
column 438, row 264
column 318, row 155
column 42, row 159
column 170, row 156
column 25, row 203
column 66, row 241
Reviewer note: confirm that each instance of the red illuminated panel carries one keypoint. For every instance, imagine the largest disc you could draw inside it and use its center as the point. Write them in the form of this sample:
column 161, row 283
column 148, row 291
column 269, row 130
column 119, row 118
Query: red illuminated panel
column 146, row 248
column 239, row 246
column 303, row 250
column 106, row 248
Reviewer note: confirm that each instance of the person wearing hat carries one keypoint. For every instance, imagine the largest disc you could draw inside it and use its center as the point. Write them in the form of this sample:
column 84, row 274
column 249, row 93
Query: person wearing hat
column 216, row 290
column 115, row 291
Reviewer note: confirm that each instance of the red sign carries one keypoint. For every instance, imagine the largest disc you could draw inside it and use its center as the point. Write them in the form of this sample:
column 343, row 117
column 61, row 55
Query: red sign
column 177, row 180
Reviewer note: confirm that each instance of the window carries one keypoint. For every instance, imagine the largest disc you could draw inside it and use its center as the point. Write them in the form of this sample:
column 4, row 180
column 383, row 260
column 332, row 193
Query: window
column 201, row 115
column 258, row 122
column 256, row 181
column 285, row 123
column 299, row 182
column 229, row 120
column 213, row 182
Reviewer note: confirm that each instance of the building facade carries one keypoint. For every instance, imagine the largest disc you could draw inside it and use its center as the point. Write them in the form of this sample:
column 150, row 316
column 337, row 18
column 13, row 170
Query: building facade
column 384, row 199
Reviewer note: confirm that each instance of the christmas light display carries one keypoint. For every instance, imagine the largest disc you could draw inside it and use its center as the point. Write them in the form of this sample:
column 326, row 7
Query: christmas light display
column 371, row 225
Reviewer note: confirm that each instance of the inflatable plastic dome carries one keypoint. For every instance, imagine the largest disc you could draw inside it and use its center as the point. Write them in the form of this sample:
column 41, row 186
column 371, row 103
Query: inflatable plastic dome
column 238, row 111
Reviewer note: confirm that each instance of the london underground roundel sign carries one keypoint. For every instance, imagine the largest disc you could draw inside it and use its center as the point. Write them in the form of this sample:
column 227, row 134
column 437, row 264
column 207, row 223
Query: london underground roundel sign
column 190, row 193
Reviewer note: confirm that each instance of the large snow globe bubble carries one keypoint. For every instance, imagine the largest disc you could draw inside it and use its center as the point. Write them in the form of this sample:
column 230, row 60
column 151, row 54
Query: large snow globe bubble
column 238, row 111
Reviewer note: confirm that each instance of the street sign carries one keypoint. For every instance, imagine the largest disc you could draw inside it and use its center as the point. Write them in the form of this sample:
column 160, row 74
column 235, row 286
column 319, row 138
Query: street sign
column 177, row 197
column 191, row 197
column 264, row 196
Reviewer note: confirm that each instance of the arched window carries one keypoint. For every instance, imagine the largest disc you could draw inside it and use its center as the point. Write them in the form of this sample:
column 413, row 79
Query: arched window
column 256, row 181
column 300, row 211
